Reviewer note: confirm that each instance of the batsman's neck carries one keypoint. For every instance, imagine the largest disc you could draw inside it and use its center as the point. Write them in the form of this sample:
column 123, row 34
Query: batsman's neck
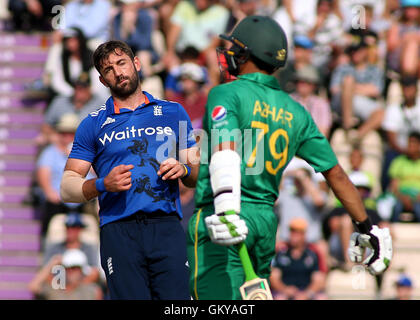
column 250, row 67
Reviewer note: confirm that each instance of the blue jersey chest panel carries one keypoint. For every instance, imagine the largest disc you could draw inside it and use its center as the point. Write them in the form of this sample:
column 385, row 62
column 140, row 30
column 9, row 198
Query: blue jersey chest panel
column 144, row 138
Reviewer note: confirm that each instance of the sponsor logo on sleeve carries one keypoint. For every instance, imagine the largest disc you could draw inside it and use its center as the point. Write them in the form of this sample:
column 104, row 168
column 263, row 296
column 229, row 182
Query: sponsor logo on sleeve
column 218, row 113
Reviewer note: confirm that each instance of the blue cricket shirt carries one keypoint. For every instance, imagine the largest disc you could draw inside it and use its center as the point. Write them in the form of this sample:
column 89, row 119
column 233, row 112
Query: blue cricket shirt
column 153, row 132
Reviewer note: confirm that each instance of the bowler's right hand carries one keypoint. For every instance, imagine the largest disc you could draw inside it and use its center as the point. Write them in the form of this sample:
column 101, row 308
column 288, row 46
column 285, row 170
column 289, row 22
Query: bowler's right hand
column 119, row 179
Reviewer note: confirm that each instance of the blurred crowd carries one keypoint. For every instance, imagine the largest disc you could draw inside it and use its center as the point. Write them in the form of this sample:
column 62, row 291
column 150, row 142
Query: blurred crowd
column 353, row 64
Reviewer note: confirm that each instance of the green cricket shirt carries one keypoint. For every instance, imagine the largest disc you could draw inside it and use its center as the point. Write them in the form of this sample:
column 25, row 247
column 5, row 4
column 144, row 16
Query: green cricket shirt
column 269, row 128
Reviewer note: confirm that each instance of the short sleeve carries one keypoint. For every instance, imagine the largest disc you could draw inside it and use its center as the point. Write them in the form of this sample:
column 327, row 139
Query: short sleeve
column 394, row 168
column 392, row 119
column 186, row 137
column 178, row 14
column 313, row 147
column 84, row 141
column 275, row 262
column 55, row 110
column 338, row 74
column 316, row 265
column 222, row 116
column 377, row 78
column 45, row 158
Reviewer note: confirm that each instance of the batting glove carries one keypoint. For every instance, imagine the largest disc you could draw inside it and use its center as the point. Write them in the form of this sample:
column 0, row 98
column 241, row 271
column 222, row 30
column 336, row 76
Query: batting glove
column 376, row 243
column 226, row 229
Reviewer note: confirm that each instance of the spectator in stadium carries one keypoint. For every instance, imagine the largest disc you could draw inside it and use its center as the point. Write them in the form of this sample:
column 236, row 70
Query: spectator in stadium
column 165, row 10
column 197, row 24
column 403, row 41
column 29, row 15
column 134, row 25
column 81, row 103
column 50, row 166
column 296, row 272
column 405, row 179
column 355, row 89
column 172, row 80
column 399, row 121
column 404, row 288
column 367, row 32
column 53, row 282
column 90, row 16
column 67, row 60
column 239, row 9
column 307, row 81
column 296, row 16
column 326, row 33
column 74, row 226
column 303, row 194
column 192, row 96
column 353, row 11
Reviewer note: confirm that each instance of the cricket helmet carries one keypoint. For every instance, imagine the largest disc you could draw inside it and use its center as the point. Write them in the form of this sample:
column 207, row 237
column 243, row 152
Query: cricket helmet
column 260, row 37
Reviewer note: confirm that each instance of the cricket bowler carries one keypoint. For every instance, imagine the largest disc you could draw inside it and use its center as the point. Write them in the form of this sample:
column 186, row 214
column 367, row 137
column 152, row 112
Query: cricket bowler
column 243, row 171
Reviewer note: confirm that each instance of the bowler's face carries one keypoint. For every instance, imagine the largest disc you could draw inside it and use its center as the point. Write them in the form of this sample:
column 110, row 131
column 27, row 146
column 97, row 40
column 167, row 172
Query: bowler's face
column 120, row 74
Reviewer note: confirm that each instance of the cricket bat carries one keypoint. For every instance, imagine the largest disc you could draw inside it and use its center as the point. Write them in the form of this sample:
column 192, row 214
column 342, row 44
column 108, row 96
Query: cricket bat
column 254, row 288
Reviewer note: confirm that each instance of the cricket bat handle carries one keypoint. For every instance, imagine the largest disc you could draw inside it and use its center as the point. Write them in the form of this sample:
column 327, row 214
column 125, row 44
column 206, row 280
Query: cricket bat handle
column 246, row 262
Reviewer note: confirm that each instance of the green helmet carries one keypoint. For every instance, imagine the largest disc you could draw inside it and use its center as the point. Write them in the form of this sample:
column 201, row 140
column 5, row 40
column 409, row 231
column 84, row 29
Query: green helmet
column 263, row 38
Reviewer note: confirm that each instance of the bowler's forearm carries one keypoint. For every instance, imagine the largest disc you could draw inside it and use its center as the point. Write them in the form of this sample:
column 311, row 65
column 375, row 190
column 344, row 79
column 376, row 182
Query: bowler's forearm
column 89, row 189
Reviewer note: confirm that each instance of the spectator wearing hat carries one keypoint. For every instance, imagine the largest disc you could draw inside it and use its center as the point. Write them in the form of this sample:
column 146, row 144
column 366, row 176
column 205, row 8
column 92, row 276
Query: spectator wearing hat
column 400, row 119
column 369, row 34
column 356, row 88
column 74, row 286
column 192, row 96
column 172, row 83
column 404, row 288
column 296, row 273
column 81, row 103
column 405, row 179
column 307, row 81
column 74, row 226
column 50, row 166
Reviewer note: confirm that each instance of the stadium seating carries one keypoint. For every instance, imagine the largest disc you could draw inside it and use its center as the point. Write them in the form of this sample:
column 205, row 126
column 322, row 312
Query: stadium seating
column 21, row 62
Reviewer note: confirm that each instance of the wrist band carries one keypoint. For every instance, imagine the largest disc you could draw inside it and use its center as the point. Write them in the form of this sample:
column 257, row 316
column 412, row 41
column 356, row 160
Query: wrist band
column 187, row 171
column 100, row 185
column 364, row 226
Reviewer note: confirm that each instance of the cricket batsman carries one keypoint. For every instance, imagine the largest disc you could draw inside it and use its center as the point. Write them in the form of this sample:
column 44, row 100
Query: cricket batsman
column 242, row 175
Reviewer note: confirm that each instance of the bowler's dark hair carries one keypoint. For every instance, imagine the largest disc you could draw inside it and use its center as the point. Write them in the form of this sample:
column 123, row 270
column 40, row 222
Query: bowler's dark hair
column 105, row 49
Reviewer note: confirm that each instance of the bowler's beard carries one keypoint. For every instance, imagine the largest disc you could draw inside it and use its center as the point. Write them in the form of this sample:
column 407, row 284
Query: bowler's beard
column 126, row 89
